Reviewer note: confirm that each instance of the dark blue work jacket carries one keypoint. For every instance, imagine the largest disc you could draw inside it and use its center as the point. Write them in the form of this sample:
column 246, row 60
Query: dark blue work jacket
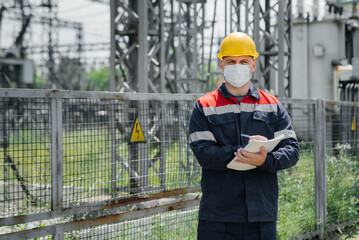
column 216, row 125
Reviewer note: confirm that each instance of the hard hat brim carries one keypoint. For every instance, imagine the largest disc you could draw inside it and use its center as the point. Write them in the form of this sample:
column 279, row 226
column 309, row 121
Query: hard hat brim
column 219, row 55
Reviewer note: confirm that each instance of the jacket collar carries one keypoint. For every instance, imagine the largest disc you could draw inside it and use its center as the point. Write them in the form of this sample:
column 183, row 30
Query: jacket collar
column 253, row 91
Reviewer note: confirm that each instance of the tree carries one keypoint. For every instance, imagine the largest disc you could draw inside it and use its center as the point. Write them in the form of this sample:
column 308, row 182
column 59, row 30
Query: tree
column 97, row 80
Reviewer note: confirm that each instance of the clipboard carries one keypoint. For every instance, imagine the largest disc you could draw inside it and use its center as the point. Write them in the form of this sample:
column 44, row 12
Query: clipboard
column 254, row 146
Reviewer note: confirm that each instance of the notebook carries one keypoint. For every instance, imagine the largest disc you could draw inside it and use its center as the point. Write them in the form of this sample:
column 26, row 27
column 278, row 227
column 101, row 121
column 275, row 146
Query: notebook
column 254, row 146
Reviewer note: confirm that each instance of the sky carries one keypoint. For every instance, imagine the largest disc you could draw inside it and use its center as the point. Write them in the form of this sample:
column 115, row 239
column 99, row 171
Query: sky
column 94, row 16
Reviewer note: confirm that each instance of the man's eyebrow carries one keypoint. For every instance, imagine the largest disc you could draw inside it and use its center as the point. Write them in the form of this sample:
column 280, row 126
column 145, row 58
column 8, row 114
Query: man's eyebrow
column 244, row 61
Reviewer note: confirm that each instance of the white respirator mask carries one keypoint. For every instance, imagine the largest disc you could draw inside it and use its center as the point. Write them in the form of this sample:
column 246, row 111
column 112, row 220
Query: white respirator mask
column 237, row 75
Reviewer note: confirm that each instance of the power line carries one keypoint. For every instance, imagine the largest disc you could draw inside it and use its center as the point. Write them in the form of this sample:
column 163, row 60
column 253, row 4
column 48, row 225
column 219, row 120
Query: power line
column 94, row 1
column 73, row 9
column 91, row 14
column 96, row 46
column 98, row 22
column 100, row 1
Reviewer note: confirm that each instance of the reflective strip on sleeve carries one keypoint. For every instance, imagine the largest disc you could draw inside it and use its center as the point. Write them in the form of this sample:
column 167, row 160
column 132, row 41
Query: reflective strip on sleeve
column 286, row 133
column 233, row 108
column 204, row 135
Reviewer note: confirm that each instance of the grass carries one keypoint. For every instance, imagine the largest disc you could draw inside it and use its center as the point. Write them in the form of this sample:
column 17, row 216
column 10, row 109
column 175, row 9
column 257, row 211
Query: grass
column 296, row 214
column 87, row 164
column 87, row 173
column 349, row 233
column 178, row 224
column 342, row 185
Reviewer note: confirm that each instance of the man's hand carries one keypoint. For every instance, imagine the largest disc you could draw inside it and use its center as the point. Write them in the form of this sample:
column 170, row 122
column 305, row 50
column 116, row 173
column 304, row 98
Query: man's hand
column 255, row 159
column 257, row 137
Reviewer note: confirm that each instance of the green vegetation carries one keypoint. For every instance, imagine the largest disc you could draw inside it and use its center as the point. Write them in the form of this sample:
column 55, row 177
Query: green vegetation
column 342, row 185
column 98, row 80
column 178, row 224
column 72, row 76
column 349, row 233
column 87, row 175
column 296, row 213
column 87, row 164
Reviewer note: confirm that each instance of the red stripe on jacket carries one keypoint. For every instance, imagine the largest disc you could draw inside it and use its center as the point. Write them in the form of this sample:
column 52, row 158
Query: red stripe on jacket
column 216, row 99
column 265, row 98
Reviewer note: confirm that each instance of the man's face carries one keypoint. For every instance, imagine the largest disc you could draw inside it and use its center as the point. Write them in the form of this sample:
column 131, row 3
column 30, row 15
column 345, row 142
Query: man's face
column 232, row 60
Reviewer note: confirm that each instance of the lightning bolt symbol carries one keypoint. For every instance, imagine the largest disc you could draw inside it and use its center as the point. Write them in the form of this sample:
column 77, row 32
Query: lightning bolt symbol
column 137, row 131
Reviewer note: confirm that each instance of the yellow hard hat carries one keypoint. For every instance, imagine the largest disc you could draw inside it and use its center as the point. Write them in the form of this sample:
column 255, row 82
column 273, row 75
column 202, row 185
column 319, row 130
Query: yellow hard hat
column 237, row 44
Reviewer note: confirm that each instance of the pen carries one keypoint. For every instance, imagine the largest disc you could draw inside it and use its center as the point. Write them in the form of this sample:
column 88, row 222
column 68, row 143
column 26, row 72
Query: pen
column 245, row 135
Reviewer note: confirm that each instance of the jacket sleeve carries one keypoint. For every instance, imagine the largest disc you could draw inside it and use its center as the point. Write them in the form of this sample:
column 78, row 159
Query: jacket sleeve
column 204, row 145
column 286, row 154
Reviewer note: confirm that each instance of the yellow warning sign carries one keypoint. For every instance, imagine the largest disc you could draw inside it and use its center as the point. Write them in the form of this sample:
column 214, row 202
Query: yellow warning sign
column 354, row 127
column 137, row 134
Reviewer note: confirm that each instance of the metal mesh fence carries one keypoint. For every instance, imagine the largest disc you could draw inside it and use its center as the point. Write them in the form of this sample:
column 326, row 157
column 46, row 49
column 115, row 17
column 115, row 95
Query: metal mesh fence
column 101, row 162
column 296, row 214
column 178, row 224
column 342, row 162
column 86, row 152
column 25, row 165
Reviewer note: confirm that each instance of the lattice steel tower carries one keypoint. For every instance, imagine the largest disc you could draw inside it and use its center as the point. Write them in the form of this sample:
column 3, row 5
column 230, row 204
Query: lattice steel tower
column 137, row 45
column 269, row 23
column 158, row 45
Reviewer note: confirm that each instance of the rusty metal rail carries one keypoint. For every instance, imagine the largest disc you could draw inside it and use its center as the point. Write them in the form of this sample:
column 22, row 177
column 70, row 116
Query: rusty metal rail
column 100, row 206
column 59, row 229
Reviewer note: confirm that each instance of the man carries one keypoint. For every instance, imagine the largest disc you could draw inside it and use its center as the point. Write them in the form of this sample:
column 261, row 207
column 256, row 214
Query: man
column 239, row 204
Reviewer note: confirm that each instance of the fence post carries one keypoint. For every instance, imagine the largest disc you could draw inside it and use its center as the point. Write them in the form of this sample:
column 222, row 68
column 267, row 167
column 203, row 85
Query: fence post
column 112, row 131
column 163, row 145
column 144, row 156
column 133, row 152
column 59, row 233
column 56, row 157
column 320, row 167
